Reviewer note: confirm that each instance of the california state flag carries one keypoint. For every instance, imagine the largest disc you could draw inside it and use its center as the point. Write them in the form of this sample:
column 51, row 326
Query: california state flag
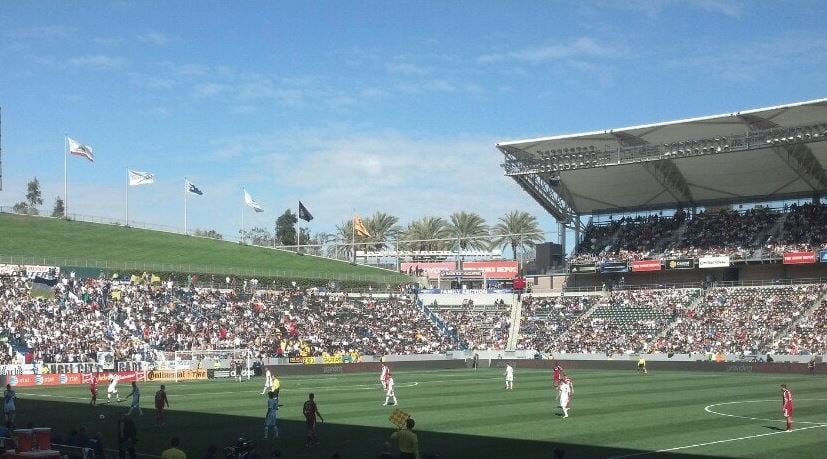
column 79, row 149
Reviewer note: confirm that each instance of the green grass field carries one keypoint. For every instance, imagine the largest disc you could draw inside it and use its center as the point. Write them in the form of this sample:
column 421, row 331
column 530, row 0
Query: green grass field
column 49, row 241
column 467, row 414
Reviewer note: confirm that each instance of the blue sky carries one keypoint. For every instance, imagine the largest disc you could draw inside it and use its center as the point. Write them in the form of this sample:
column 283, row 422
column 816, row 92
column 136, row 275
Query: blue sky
column 365, row 106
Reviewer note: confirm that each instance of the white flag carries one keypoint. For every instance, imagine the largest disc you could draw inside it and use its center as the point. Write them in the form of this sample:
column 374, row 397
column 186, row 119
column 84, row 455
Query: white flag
column 140, row 178
column 79, row 149
column 252, row 203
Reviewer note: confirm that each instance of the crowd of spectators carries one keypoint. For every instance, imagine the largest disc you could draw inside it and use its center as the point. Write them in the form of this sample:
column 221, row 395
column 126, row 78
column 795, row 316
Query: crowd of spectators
column 545, row 318
column 734, row 233
column 482, row 327
column 143, row 321
column 626, row 322
column 808, row 336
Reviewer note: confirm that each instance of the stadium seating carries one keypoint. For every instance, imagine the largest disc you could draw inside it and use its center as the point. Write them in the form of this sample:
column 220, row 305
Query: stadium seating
column 755, row 232
column 475, row 326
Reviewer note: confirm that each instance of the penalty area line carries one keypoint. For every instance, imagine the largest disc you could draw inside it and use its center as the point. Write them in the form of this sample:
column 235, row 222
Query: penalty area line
column 747, row 437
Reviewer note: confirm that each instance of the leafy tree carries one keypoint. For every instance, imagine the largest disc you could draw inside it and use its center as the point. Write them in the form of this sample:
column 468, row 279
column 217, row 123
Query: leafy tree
column 286, row 228
column 20, row 208
column 517, row 229
column 427, row 233
column 59, row 207
column 212, row 234
column 382, row 227
column 468, row 230
column 259, row 236
column 33, row 196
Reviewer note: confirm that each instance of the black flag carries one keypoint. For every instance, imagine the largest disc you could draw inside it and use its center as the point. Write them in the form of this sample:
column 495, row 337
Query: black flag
column 304, row 214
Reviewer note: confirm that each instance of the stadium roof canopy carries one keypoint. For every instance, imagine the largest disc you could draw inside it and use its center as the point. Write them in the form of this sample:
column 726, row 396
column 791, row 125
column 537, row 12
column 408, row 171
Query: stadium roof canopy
column 748, row 156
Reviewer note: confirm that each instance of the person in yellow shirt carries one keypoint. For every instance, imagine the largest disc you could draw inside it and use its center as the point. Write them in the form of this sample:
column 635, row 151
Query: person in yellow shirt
column 641, row 365
column 408, row 443
column 173, row 452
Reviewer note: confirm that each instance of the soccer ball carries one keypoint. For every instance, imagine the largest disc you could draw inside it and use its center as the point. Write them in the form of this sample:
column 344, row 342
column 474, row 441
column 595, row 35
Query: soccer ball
column 102, row 416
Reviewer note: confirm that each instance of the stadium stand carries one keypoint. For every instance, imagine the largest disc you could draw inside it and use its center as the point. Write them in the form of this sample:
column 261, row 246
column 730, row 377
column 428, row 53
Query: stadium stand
column 757, row 232
column 476, row 326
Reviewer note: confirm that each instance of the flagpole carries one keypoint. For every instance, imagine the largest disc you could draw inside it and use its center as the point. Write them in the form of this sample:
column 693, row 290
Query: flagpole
column 298, row 228
column 242, row 223
column 353, row 236
column 127, row 197
column 186, row 191
column 65, row 176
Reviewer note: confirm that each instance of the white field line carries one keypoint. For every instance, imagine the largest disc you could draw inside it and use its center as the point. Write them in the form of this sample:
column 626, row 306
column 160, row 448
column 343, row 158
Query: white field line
column 709, row 410
column 747, row 437
column 677, row 448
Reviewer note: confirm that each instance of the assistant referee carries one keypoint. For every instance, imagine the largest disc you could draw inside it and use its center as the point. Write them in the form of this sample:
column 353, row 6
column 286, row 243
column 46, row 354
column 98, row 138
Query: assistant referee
column 408, row 443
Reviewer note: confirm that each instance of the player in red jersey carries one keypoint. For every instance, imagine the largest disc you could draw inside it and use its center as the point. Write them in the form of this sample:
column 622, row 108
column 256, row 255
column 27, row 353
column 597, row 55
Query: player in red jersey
column 310, row 411
column 787, row 406
column 93, row 388
column 557, row 374
column 161, row 403
column 384, row 376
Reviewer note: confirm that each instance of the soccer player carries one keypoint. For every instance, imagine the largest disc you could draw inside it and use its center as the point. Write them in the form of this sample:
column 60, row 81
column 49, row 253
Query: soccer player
column 272, row 416
column 113, row 389
column 390, row 394
column 383, row 377
column 9, row 397
column 161, row 403
column 476, row 361
column 310, row 411
column 641, row 365
column 787, row 406
column 509, row 377
column 136, row 400
column 565, row 396
column 558, row 372
column 268, row 382
column 93, row 388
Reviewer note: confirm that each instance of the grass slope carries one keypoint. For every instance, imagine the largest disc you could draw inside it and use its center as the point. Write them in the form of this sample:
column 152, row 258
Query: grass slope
column 71, row 243
column 467, row 414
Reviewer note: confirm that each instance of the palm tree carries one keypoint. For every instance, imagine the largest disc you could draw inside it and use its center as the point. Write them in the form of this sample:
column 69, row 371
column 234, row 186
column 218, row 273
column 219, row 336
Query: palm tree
column 469, row 230
column 428, row 233
column 343, row 249
column 382, row 228
column 518, row 229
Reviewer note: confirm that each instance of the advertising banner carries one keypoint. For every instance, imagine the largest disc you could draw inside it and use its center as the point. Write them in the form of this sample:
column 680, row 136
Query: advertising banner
column 429, row 269
column 332, row 359
column 51, row 379
column 29, row 270
column 463, row 274
column 497, row 269
column 172, row 375
column 614, row 267
column 295, row 359
column 714, row 262
column 583, row 268
column 822, row 256
column 19, row 369
column 646, row 265
column 799, row 258
column 679, row 263
column 76, row 367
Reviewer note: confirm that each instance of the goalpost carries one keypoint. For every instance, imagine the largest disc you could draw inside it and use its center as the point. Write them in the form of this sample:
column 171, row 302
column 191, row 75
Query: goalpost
column 217, row 359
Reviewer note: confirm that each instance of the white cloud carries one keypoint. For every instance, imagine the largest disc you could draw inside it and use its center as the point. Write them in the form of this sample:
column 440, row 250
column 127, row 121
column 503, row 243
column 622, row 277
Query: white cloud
column 41, row 33
column 154, row 38
column 406, row 68
column 99, row 61
column 583, row 47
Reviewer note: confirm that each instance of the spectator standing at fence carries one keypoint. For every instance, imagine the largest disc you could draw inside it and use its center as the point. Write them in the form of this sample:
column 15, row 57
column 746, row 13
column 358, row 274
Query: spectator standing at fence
column 127, row 437
column 310, row 411
column 173, row 452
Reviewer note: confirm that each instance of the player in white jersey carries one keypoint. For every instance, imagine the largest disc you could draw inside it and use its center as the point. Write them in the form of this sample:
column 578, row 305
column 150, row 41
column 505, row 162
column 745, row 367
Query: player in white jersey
column 272, row 416
column 268, row 382
column 9, row 397
column 136, row 400
column 509, row 377
column 566, row 391
column 390, row 394
column 113, row 389
column 383, row 377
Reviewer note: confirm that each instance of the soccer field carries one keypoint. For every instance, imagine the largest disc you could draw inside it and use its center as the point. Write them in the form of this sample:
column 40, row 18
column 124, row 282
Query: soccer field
column 462, row 413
